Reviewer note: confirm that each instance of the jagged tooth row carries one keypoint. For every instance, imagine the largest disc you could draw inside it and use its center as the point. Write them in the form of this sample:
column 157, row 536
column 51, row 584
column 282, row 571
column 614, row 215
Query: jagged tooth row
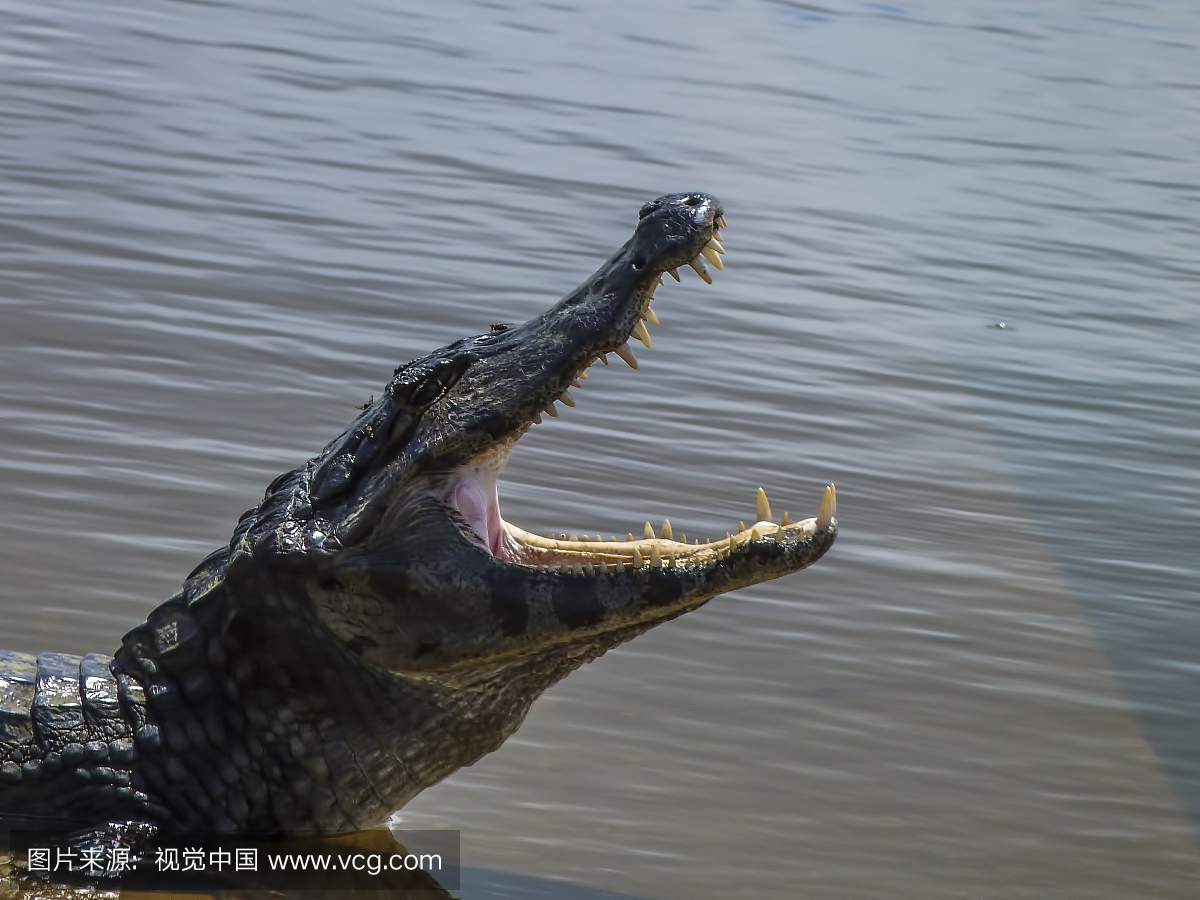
column 657, row 556
column 712, row 252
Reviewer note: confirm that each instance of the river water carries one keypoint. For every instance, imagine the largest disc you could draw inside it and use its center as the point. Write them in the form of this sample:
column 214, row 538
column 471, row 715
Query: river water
column 221, row 225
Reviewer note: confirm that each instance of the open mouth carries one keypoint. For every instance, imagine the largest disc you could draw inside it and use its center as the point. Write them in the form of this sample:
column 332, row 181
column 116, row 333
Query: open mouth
column 400, row 515
column 470, row 491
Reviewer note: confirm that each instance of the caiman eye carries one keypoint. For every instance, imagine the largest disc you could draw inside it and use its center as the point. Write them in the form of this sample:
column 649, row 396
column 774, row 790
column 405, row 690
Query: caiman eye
column 443, row 376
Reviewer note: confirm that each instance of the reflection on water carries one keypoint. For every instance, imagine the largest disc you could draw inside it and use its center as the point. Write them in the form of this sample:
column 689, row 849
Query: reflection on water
column 224, row 223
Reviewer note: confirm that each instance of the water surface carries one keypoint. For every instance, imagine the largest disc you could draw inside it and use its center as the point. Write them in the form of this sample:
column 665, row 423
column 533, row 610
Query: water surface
column 221, row 225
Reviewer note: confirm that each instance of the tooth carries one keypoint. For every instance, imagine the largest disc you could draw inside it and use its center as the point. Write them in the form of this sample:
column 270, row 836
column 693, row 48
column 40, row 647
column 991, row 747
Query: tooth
column 764, row 508
column 629, row 538
column 828, row 507
column 711, row 255
column 577, row 569
column 612, row 538
column 574, row 539
column 698, row 268
column 626, row 354
column 537, row 419
column 590, row 569
column 603, row 357
column 660, row 282
column 715, row 243
column 682, row 538
column 729, row 537
column 648, row 532
column 583, row 376
column 603, row 567
column 637, row 558
column 665, row 533
column 779, row 535
column 640, row 332
column 674, row 273
column 655, row 557
column 551, row 411
column 565, row 397
column 576, row 383
column 741, row 527
column 651, row 316
column 562, row 537
column 784, row 520
column 721, row 222
column 753, row 535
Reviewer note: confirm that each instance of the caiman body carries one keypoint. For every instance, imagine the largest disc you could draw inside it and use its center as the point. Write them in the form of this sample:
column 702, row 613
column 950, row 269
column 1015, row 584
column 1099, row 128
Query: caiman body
column 374, row 624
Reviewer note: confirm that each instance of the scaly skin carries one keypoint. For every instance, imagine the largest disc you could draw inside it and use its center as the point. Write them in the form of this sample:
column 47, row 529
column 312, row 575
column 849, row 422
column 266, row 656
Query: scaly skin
column 374, row 625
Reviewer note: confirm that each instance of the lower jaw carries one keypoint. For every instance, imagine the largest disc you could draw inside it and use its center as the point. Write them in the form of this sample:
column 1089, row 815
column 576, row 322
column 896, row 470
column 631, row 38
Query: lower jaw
column 472, row 491
column 574, row 552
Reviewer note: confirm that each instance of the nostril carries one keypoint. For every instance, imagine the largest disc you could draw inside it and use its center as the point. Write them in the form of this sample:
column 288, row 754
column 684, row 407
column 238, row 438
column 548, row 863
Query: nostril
column 639, row 262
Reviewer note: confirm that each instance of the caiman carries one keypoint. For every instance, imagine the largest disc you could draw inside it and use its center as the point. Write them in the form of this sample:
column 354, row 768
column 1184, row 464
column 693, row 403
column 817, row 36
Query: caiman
column 374, row 624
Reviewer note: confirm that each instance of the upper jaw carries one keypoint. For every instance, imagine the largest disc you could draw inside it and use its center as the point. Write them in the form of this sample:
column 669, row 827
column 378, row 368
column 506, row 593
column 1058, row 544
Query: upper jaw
column 517, row 373
column 496, row 386
column 520, row 372
column 599, row 317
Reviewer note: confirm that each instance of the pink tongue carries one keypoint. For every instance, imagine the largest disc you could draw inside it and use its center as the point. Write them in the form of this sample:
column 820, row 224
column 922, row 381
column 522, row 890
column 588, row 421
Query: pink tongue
column 481, row 509
column 473, row 505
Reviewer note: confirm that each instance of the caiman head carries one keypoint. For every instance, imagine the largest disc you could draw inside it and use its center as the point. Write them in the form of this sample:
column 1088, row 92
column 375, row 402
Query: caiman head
column 396, row 529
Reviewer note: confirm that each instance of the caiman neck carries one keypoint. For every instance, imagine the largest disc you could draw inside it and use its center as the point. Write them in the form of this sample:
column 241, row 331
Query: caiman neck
column 257, row 718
